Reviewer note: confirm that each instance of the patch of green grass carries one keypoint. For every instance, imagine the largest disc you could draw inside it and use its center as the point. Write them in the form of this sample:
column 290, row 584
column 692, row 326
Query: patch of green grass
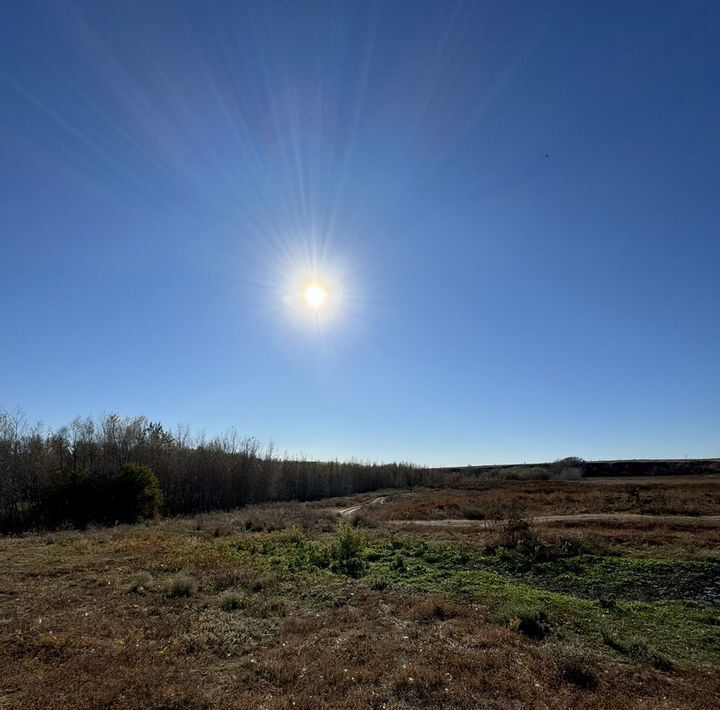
column 637, row 650
column 628, row 578
column 686, row 632
column 344, row 553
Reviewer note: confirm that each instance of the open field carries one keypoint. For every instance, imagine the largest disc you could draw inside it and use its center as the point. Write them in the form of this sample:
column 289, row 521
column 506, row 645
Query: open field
column 337, row 605
column 480, row 499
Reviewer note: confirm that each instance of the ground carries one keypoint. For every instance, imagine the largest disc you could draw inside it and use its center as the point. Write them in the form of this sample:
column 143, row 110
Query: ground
column 576, row 594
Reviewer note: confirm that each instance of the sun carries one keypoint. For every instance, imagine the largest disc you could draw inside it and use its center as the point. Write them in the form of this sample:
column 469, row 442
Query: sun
column 315, row 295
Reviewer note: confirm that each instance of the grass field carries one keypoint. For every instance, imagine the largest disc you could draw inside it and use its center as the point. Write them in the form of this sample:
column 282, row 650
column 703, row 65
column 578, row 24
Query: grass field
column 299, row 605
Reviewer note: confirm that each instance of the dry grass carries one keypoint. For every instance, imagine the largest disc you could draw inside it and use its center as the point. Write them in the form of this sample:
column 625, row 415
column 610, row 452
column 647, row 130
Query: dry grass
column 692, row 496
column 86, row 622
column 481, row 500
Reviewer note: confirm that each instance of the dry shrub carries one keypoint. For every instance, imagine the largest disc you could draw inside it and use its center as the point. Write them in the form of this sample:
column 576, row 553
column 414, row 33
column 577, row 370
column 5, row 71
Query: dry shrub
column 434, row 608
column 181, row 585
column 140, row 584
column 364, row 520
column 263, row 607
column 664, row 536
column 231, row 573
column 271, row 517
column 232, row 601
column 514, row 533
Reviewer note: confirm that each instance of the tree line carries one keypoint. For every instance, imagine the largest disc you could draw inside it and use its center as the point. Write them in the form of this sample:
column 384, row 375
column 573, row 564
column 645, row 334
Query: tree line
column 122, row 469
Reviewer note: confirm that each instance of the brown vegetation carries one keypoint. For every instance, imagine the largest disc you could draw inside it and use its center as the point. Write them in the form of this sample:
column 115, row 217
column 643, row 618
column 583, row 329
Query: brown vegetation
column 491, row 500
column 173, row 614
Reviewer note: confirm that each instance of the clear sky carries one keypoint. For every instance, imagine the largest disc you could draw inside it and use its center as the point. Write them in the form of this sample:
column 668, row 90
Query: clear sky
column 513, row 208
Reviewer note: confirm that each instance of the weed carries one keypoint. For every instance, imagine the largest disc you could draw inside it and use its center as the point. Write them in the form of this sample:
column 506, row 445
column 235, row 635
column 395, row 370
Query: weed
column 231, row 601
column 379, row 583
column 140, row 584
column 531, row 621
column 181, row 585
column 433, row 608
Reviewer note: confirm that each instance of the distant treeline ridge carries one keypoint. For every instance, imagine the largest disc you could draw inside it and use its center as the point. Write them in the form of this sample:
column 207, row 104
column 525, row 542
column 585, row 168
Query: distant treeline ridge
column 123, row 469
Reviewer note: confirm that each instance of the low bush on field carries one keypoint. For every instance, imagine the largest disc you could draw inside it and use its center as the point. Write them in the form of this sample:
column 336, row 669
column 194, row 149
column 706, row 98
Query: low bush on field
column 519, row 535
column 270, row 517
column 140, row 583
column 231, row 601
column 181, row 585
column 347, row 552
column 434, row 608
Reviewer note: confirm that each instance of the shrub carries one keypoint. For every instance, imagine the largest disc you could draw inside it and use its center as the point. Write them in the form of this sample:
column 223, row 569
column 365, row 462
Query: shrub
column 231, row 601
column 346, row 552
column 379, row 583
column 433, row 608
column 315, row 555
column 607, row 602
column 265, row 607
column 135, row 493
column 515, row 533
column 181, row 585
column 363, row 521
column 140, row 584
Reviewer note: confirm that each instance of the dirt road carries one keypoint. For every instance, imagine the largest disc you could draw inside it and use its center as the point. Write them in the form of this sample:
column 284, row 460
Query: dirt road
column 349, row 512
column 574, row 517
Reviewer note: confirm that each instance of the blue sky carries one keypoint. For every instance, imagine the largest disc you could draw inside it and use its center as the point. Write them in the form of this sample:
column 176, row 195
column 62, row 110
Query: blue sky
column 515, row 208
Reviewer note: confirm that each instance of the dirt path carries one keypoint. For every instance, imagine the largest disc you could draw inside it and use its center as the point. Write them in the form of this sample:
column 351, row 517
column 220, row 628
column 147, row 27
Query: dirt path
column 712, row 520
column 349, row 512
column 573, row 517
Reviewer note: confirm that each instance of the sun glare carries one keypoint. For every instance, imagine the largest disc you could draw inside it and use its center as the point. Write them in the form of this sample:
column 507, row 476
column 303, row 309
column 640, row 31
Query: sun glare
column 320, row 295
column 315, row 295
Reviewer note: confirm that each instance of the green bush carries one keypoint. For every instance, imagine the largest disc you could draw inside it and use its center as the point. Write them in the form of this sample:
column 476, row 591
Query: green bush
column 347, row 552
column 379, row 582
column 317, row 555
column 135, row 494
column 81, row 497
